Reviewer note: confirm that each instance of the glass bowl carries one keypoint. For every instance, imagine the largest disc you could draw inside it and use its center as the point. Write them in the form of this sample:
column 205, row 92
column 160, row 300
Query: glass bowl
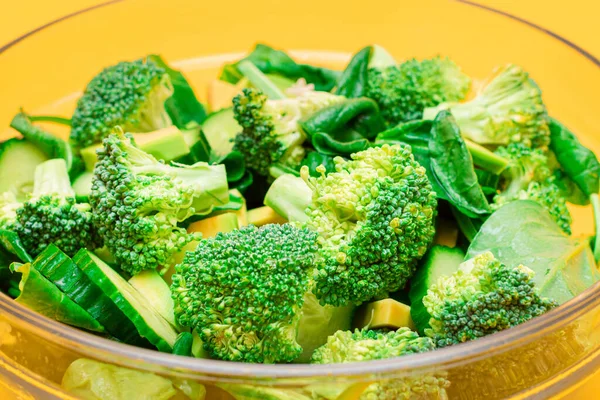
column 556, row 355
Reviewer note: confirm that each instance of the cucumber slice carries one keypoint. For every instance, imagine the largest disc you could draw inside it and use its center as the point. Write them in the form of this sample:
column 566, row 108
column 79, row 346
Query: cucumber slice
column 18, row 160
column 220, row 128
column 147, row 321
column 83, row 186
column 439, row 261
column 57, row 267
column 40, row 295
column 157, row 293
column 183, row 344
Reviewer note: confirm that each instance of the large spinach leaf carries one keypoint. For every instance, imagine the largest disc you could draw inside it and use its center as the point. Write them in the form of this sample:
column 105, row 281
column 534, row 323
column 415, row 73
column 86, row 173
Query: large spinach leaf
column 271, row 61
column 452, row 167
column 438, row 146
column 353, row 81
column 183, row 106
column 344, row 128
column 577, row 161
column 522, row 232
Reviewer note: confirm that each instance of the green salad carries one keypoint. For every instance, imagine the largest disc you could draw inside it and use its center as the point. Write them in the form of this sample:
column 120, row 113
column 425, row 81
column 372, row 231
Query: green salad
column 301, row 215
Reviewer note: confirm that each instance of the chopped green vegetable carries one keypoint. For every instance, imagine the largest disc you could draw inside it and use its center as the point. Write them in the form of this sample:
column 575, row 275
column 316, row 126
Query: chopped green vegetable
column 523, row 232
column 40, row 295
column 130, row 94
column 507, row 109
column 137, row 202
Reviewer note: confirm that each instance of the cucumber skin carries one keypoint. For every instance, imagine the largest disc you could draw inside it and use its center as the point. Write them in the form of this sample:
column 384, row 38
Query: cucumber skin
column 424, row 277
column 183, row 344
column 42, row 296
column 57, row 267
column 86, row 261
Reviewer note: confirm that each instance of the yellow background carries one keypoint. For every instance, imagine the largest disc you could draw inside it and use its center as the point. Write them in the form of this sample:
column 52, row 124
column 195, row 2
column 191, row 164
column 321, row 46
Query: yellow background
column 576, row 20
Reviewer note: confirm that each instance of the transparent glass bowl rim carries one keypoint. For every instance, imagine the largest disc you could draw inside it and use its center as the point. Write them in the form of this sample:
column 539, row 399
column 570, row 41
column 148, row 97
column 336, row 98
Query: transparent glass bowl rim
column 454, row 356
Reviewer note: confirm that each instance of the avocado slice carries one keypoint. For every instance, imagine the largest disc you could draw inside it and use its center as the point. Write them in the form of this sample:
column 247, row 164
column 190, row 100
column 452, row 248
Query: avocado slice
column 165, row 144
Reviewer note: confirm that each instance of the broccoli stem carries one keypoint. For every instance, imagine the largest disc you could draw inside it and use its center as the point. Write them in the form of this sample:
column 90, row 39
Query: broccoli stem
column 52, row 178
column 289, row 196
column 595, row 200
column 50, row 118
column 260, row 80
column 486, row 159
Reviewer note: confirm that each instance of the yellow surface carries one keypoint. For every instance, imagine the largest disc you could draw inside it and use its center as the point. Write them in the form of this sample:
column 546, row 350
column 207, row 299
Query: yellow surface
column 560, row 70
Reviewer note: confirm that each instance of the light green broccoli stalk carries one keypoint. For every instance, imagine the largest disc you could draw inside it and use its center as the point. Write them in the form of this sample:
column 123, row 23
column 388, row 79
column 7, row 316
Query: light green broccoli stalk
column 51, row 215
column 507, row 109
column 271, row 133
column 483, row 297
column 529, row 177
column 138, row 202
column 130, row 94
column 243, row 291
column 366, row 345
column 403, row 91
column 8, row 210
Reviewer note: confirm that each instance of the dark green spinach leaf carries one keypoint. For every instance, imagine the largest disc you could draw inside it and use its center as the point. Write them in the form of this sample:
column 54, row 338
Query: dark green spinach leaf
column 313, row 159
column 438, row 146
column 271, row 61
column 183, row 106
column 452, row 167
column 577, row 161
column 344, row 128
column 353, row 81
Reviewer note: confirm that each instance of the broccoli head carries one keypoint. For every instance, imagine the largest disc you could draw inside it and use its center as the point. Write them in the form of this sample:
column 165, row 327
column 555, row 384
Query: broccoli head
column 138, row 202
column 529, row 176
column 8, row 210
column 130, row 94
column 51, row 215
column 482, row 297
column 507, row 109
column 374, row 216
column 270, row 130
column 243, row 291
column 403, row 91
column 365, row 345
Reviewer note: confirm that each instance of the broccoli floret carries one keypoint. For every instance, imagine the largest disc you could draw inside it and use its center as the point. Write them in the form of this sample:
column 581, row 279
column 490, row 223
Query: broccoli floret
column 8, row 210
column 51, row 215
column 138, row 202
column 271, row 133
column 374, row 216
column 529, row 176
column 243, row 291
column 507, row 109
column 483, row 297
column 365, row 345
column 129, row 94
column 403, row 91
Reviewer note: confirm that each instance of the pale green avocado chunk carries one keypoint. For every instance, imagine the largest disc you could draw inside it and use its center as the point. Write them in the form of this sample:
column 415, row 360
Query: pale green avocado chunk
column 157, row 293
column 164, row 144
